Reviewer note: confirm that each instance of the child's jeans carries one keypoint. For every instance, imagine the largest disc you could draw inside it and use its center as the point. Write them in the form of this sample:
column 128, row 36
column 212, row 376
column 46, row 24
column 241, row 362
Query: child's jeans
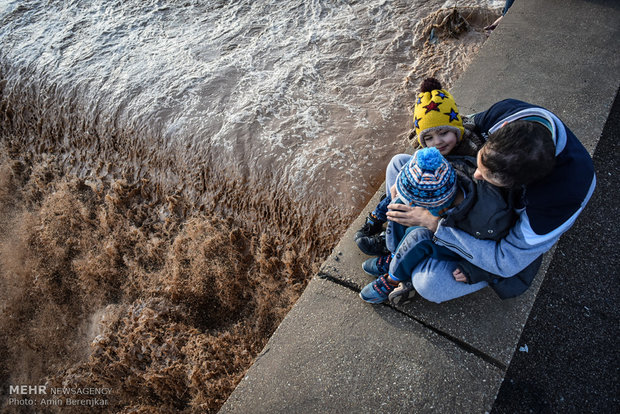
column 380, row 211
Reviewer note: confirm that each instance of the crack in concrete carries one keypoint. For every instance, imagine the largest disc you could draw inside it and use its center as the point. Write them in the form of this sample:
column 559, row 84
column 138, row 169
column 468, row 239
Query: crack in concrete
column 458, row 342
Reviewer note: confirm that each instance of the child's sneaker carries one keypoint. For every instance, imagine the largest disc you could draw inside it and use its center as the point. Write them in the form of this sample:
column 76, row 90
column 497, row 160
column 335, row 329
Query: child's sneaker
column 402, row 294
column 377, row 266
column 373, row 245
column 371, row 227
column 377, row 291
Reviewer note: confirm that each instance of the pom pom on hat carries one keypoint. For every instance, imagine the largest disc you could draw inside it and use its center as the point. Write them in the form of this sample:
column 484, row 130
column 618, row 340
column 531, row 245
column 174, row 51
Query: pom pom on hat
column 427, row 180
column 435, row 108
column 429, row 84
column 429, row 159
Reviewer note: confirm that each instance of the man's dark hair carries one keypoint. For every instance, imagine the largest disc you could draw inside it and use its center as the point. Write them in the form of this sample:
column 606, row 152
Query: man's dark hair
column 519, row 153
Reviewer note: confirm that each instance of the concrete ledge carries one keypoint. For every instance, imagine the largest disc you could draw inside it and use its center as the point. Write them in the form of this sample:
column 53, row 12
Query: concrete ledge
column 335, row 353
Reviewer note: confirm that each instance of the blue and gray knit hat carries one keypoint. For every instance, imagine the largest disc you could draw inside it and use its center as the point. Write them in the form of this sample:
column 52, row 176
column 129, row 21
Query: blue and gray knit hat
column 427, row 180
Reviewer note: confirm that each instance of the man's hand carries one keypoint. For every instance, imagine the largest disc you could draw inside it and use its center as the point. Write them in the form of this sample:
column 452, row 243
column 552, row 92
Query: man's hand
column 412, row 216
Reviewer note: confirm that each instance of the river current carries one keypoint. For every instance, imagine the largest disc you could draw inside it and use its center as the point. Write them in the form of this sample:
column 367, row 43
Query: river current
column 173, row 172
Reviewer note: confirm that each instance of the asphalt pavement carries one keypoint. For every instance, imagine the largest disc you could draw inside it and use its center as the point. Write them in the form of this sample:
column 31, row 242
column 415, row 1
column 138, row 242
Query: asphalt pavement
column 568, row 358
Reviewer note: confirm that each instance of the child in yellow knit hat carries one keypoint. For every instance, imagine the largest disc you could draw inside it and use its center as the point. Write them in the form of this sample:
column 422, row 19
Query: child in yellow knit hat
column 437, row 123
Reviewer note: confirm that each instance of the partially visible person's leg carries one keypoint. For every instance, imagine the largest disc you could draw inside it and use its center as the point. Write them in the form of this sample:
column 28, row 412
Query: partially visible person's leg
column 394, row 235
column 507, row 6
column 394, row 232
column 493, row 25
column 393, row 168
column 407, row 256
column 380, row 211
column 415, row 246
column 433, row 280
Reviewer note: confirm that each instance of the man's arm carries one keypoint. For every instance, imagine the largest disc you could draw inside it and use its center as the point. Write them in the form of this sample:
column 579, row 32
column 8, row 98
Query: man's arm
column 505, row 257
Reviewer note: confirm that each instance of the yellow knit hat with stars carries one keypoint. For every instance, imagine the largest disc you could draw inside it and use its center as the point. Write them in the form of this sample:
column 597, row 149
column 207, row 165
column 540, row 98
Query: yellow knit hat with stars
column 436, row 109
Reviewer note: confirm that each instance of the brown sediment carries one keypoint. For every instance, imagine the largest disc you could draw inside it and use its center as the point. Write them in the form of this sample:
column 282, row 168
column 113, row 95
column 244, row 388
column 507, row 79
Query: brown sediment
column 99, row 290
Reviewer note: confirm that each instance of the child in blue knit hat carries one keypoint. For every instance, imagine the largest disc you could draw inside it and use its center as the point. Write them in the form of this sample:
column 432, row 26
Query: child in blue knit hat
column 446, row 190
column 427, row 180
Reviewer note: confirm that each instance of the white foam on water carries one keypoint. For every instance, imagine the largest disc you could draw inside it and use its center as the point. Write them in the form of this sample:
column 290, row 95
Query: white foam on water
column 311, row 91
